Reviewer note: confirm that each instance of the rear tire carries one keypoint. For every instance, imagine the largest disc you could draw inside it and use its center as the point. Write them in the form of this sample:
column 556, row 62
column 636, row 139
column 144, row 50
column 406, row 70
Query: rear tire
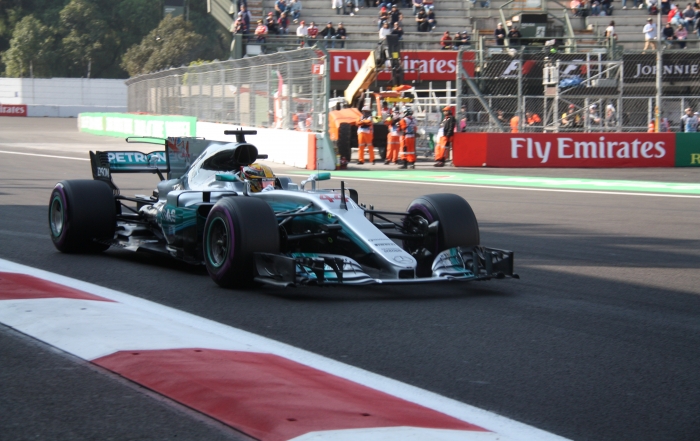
column 82, row 212
column 236, row 228
column 457, row 226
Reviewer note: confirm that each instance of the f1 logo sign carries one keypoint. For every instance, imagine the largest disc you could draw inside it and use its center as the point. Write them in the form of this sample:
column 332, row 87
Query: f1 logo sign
column 318, row 69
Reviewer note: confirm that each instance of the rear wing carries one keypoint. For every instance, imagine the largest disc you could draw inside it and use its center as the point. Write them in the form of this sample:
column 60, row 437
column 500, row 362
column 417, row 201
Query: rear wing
column 174, row 160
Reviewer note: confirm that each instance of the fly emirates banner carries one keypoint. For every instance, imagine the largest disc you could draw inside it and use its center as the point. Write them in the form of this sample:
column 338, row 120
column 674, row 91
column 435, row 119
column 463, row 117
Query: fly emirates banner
column 564, row 149
column 423, row 65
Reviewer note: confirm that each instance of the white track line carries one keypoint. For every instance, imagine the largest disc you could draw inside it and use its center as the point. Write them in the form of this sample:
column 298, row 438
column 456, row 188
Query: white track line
column 45, row 156
column 495, row 187
column 499, row 187
column 507, row 428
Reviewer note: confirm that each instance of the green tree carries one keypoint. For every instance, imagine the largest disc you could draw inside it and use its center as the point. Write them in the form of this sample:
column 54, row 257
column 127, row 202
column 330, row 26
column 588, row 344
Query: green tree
column 172, row 44
column 135, row 19
column 32, row 44
column 89, row 43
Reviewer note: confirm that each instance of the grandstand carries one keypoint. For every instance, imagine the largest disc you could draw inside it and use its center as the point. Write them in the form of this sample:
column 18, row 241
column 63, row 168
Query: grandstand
column 460, row 15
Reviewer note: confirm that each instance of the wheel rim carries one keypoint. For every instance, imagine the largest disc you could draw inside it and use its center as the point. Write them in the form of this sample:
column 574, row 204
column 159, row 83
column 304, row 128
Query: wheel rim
column 217, row 242
column 56, row 216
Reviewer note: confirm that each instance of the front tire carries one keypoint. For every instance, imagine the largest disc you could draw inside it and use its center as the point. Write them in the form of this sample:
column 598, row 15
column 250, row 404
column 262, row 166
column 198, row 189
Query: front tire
column 236, row 228
column 457, row 227
column 82, row 213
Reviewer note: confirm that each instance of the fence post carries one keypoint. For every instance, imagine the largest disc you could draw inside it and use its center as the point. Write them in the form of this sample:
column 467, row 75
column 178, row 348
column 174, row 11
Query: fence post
column 289, row 121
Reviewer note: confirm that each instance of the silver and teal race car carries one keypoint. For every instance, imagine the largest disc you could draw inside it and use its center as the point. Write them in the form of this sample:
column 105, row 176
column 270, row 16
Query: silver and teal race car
column 216, row 206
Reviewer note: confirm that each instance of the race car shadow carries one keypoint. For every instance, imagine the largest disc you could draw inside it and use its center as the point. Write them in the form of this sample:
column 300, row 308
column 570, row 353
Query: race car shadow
column 157, row 260
column 418, row 292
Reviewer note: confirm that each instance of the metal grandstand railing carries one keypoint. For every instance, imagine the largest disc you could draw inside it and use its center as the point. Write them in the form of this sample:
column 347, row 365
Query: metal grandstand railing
column 627, row 86
column 264, row 91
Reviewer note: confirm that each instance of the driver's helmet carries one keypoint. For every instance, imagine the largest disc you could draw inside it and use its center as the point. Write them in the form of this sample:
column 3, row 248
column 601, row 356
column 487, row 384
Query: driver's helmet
column 407, row 111
column 259, row 175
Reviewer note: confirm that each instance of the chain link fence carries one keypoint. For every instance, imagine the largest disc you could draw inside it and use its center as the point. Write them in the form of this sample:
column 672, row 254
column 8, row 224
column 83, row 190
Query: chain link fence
column 284, row 90
column 593, row 91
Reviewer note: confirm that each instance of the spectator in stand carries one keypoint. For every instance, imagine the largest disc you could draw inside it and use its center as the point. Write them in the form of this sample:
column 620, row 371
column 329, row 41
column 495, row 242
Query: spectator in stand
column 283, row 24
column 280, row 7
column 575, row 7
column 674, row 16
column 302, row 33
column 271, row 24
column 571, row 119
column 653, row 7
column 607, row 7
column 689, row 121
column 501, row 117
column 383, row 17
column 533, row 121
column 593, row 119
column 395, row 16
column 446, row 41
column 681, row 36
column 637, row 4
column 427, row 4
column 349, row 6
column 260, row 32
column 337, row 5
column 239, row 27
column 244, row 15
column 432, row 22
column 312, row 31
column 241, row 3
column 417, row 5
column 384, row 31
column 422, row 21
column 398, row 30
column 514, row 37
column 649, row 35
column 328, row 33
column 610, row 34
column 462, row 39
column 500, row 34
column 665, row 6
column 463, row 119
column 610, row 118
column 341, row 34
column 689, row 18
column 295, row 10
column 595, row 8
column 697, row 20
column 668, row 36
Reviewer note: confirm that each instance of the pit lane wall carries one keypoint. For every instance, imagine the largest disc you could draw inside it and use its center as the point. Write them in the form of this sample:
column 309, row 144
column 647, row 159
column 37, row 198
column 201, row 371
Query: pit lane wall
column 576, row 150
column 298, row 149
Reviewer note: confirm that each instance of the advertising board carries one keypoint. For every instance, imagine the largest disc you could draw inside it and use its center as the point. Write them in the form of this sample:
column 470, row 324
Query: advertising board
column 687, row 149
column 429, row 65
column 13, row 110
column 604, row 150
column 127, row 124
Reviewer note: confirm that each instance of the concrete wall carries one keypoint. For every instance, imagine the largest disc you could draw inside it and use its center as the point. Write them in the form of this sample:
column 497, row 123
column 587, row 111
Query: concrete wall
column 64, row 97
column 298, row 149
column 282, row 146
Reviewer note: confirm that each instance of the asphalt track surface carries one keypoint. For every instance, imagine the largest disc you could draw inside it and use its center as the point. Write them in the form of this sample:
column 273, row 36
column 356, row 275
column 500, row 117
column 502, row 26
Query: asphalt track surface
column 599, row 340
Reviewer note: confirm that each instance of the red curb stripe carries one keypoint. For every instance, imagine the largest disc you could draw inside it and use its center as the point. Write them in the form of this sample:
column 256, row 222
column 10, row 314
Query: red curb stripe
column 269, row 397
column 15, row 286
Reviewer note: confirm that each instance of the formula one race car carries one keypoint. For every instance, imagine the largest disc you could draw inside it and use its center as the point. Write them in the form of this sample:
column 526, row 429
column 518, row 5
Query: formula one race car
column 219, row 208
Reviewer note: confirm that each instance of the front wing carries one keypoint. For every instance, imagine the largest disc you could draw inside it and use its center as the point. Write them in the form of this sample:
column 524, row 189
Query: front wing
column 455, row 264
